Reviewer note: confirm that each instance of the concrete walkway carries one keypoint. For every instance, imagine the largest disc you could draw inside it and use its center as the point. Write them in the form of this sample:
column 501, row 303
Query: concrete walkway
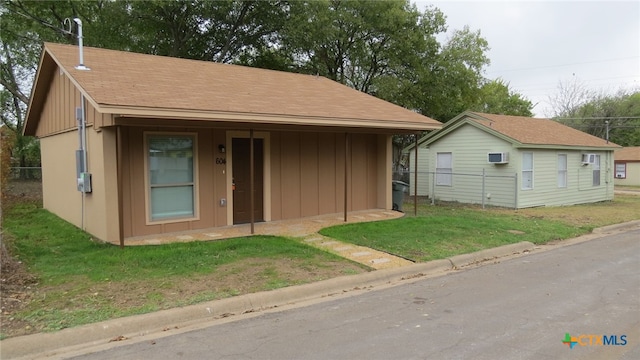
column 363, row 255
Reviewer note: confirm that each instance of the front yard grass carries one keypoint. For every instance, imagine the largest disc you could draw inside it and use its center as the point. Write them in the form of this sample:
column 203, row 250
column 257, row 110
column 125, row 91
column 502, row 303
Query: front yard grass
column 442, row 231
column 79, row 281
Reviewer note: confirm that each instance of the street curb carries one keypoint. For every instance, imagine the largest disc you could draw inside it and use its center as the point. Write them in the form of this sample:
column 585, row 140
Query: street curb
column 616, row 227
column 463, row 260
column 90, row 335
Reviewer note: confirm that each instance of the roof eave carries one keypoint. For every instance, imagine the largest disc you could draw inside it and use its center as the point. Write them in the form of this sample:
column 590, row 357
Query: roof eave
column 276, row 119
column 35, row 101
column 610, row 147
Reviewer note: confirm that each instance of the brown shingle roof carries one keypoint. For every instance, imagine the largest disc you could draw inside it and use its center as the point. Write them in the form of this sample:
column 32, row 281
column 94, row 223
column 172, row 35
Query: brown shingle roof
column 630, row 153
column 126, row 80
column 537, row 131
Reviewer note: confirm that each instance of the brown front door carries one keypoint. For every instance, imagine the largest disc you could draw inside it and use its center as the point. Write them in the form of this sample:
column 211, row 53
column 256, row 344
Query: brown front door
column 241, row 180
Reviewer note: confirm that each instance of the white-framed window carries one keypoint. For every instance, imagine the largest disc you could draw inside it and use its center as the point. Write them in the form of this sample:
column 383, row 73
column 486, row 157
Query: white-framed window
column 527, row 170
column 596, row 171
column 444, row 168
column 621, row 170
column 562, row 170
column 171, row 173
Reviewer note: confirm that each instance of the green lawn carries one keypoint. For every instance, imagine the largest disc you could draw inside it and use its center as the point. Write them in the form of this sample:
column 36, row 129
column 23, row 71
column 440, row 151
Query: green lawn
column 442, row 231
column 81, row 281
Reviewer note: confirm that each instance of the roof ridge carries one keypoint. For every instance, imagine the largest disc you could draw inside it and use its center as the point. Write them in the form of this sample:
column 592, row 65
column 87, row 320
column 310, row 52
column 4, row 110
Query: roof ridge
column 175, row 58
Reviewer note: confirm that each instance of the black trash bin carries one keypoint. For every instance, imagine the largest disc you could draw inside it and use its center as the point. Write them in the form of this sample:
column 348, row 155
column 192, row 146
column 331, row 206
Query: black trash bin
column 399, row 188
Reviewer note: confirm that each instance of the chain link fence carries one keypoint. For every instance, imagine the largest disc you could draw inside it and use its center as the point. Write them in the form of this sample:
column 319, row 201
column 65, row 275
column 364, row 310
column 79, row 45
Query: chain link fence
column 26, row 173
column 481, row 188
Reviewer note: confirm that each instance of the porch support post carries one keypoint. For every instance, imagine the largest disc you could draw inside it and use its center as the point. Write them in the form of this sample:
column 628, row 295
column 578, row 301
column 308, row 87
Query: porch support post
column 251, row 181
column 415, row 180
column 346, row 170
column 120, row 182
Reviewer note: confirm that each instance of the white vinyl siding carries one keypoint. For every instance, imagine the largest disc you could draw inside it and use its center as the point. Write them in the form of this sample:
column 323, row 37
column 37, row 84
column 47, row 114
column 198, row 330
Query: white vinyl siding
column 562, row 170
column 527, row 170
column 444, row 168
column 424, row 179
column 471, row 146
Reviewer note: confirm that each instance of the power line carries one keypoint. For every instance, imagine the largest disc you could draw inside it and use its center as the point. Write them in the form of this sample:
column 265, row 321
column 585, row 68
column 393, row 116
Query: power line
column 601, row 118
column 562, row 65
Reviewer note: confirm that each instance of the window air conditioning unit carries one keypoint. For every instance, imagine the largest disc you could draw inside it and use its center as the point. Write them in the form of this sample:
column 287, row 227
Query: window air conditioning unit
column 498, row 157
column 588, row 159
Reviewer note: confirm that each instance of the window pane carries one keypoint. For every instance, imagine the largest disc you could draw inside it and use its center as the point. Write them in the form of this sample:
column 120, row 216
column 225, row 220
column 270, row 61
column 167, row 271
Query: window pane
column 170, row 202
column 527, row 180
column 596, row 171
column 444, row 169
column 527, row 161
column 170, row 160
column 562, row 170
column 621, row 170
column 527, row 170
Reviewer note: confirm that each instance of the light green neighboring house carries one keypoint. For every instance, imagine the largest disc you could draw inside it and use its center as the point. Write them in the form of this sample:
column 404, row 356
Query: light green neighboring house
column 512, row 161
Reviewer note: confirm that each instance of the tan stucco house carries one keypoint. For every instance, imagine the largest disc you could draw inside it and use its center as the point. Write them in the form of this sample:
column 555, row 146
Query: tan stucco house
column 627, row 166
column 513, row 161
column 167, row 143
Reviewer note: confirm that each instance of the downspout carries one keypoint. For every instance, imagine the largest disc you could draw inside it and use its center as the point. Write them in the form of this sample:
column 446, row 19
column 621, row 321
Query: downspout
column 251, row 181
column 346, row 169
column 415, row 181
column 84, row 181
column 120, row 186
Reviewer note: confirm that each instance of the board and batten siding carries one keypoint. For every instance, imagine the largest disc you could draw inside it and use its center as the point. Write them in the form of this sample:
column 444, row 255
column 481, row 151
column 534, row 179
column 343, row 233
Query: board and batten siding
column 579, row 189
column 308, row 173
column 59, row 109
column 469, row 147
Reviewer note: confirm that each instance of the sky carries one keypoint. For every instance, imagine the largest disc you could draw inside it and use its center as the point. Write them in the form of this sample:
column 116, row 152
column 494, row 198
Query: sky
column 535, row 45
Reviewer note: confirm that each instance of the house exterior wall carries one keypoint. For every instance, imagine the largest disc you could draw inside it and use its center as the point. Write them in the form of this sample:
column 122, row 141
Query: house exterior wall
column 304, row 176
column 59, row 184
column 579, row 189
column 469, row 147
column 632, row 177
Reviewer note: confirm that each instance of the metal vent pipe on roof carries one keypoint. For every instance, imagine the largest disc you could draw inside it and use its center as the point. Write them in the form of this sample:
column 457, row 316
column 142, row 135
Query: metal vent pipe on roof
column 80, row 46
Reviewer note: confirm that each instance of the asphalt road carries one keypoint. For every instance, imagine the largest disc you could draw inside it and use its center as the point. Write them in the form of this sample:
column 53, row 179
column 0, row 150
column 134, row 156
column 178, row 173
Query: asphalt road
column 516, row 309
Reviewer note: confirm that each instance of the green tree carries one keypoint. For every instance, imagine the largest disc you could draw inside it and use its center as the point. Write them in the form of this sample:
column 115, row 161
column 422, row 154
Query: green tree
column 218, row 31
column 24, row 26
column 354, row 42
column 595, row 113
column 496, row 98
column 452, row 83
column 620, row 113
